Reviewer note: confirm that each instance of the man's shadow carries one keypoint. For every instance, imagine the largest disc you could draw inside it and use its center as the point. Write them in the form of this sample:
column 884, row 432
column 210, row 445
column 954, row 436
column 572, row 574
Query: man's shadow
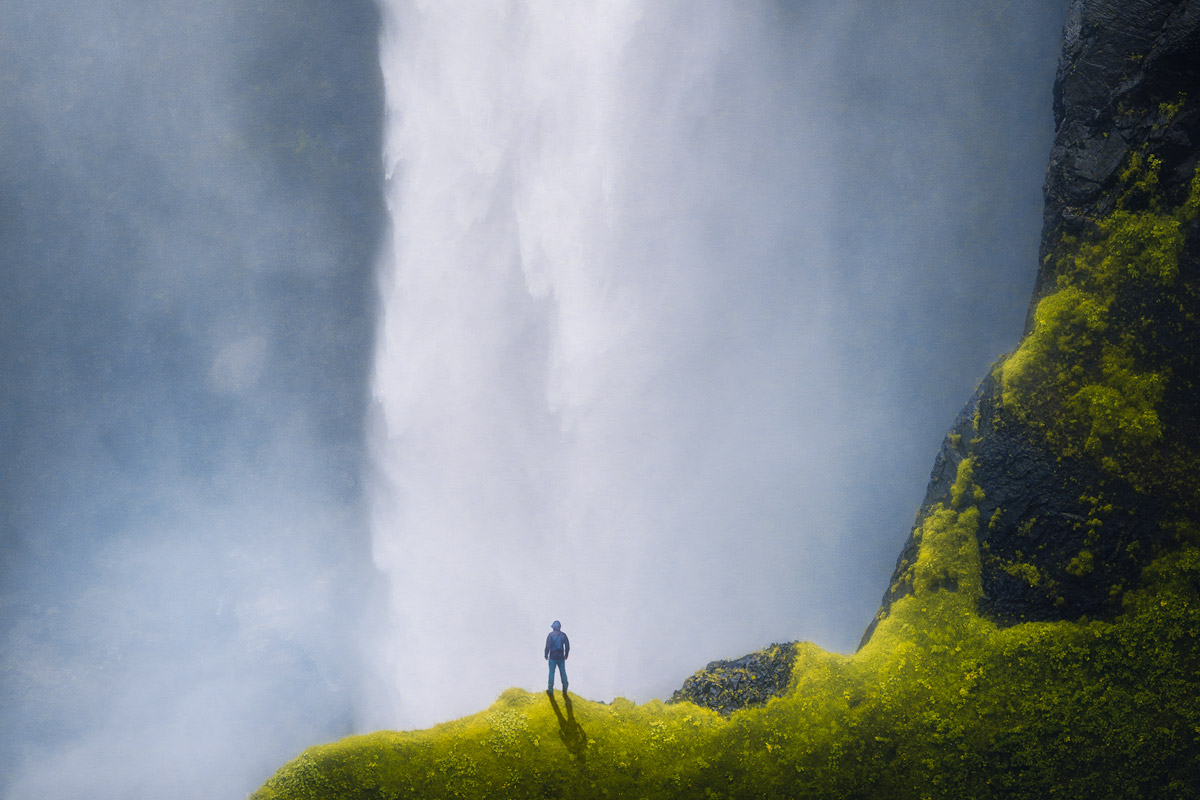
column 570, row 731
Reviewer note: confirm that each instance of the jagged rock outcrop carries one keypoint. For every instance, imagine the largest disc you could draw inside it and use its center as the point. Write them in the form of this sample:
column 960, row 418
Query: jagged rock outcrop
column 726, row 686
column 1083, row 444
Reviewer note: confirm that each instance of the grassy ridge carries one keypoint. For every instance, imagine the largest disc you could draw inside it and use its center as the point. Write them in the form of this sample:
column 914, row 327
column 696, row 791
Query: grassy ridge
column 940, row 703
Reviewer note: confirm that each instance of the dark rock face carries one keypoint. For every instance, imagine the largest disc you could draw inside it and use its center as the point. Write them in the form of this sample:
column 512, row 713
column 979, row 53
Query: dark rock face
column 726, row 686
column 1039, row 517
column 1125, row 63
column 1062, row 534
column 1036, row 515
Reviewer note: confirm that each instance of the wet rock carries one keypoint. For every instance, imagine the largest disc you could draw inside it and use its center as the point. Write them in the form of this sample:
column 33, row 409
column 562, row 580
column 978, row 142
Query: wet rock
column 726, row 686
column 1125, row 65
column 1035, row 517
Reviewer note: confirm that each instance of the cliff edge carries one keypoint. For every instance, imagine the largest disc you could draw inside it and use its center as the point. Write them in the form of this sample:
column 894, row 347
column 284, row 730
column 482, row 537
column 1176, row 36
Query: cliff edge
column 1085, row 442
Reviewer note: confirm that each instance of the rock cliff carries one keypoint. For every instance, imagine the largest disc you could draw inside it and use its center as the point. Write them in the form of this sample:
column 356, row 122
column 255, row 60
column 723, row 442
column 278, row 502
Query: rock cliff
column 1084, row 442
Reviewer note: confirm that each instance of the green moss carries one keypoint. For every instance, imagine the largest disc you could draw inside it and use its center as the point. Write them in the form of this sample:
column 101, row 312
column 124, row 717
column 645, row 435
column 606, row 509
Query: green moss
column 940, row 703
column 1140, row 176
column 1169, row 111
column 1085, row 377
column 963, row 488
column 1082, row 564
column 949, row 554
column 1025, row 571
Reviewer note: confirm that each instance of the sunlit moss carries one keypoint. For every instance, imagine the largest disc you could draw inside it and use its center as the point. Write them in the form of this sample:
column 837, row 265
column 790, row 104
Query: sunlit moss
column 1082, row 564
column 963, row 489
column 1083, row 377
column 1025, row 571
column 949, row 554
column 1140, row 178
column 1170, row 110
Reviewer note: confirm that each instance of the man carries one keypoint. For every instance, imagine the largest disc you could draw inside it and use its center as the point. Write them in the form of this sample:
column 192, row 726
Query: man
column 558, row 647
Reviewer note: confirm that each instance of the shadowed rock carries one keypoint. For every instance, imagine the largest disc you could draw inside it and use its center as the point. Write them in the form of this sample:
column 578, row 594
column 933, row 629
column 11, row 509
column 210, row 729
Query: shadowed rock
column 726, row 686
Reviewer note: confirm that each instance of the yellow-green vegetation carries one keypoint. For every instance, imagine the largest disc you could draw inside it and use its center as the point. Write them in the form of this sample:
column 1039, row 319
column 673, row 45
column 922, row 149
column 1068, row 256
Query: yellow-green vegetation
column 1025, row 571
column 963, row 489
column 1170, row 110
column 1081, row 564
column 940, row 703
column 1091, row 374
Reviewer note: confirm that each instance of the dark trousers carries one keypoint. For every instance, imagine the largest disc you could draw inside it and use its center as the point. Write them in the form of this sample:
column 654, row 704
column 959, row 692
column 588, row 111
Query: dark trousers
column 561, row 663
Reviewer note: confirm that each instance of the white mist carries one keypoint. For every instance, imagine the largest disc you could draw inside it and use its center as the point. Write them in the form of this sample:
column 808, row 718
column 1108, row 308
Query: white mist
column 663, row 350
column 590, row 359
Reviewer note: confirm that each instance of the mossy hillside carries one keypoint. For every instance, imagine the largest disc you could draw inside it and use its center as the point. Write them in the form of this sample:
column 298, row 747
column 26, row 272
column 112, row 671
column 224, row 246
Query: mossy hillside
column 1099, row 407
column 1112, row 337
column 941, row 703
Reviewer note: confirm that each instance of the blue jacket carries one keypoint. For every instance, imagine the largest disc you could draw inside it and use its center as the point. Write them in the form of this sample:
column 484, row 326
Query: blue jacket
column 557, row 646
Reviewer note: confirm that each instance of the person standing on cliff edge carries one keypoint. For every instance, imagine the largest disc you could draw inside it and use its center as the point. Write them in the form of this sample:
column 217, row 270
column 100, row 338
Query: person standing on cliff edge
column 558, row 647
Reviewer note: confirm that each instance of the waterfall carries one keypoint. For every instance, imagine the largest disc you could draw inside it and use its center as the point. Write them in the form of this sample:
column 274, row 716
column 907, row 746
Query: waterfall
column 620, row 370
column 561, row 360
